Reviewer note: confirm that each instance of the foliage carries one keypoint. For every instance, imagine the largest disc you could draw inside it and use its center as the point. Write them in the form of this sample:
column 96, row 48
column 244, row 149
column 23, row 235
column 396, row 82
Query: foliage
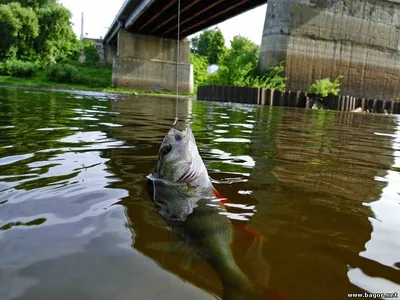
column 325, row 87
column 194, row 44
column 80, row 74
column 200, row 64
column 17, row 68
column 64, row 73
column 269, row 79
column 239, row 67
column 96, row 76
column 239, row 62
column 56, row 40
column 211, row 44
column 18, row 28
column 91, row 53
column 36, row 30
column 35, row 4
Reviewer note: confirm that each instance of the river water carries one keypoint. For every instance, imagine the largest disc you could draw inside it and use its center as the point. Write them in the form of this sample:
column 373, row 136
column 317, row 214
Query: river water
column 77, row 223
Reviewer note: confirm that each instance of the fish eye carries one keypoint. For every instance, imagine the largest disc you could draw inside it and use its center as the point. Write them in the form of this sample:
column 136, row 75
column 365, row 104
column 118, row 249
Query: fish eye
column 178, row 137
column 165, row 149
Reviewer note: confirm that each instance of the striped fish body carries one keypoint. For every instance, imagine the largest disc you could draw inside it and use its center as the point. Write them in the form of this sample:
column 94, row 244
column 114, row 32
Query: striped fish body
column 185, row 197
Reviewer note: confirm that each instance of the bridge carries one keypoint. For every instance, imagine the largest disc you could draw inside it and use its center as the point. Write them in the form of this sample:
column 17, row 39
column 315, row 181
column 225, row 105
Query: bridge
column 143, row 37
column 359, row 39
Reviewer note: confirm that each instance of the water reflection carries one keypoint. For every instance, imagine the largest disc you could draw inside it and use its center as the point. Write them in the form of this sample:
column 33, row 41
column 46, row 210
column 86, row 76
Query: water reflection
column 384, row 242
column 322, row 187
column 305, row 175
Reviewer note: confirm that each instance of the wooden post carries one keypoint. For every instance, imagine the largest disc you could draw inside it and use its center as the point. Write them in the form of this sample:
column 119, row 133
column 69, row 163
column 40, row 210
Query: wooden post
column 263, row 96
column 271, row 102
column 226, row 93
column 293, row 99
column 301, row 100
column 350, row 103
column 297, row 99
column 268, row 97
column 307, row 100
column 277, row 98
column 343, row 103
column 284, row 99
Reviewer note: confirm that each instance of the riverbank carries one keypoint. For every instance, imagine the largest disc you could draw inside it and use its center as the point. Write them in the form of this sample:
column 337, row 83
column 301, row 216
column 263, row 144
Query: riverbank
column 41, row 83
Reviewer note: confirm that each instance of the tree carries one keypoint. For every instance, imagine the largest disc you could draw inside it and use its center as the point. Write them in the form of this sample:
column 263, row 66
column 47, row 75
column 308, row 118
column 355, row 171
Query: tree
column 239, row 67
column 211, row 43
column 240, row 62
column 56, row 40
column 194, row 44
column 200, row 64
column 34, row 4
column 216, row 48
column 18, row 28
column 36, row 30
column 9, row 28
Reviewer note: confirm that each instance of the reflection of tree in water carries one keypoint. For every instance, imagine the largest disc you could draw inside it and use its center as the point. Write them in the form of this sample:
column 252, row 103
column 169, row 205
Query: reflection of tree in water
column 325, row 166
column 43, row 148
column 313, row 171
column 222, row 133
column 33, row 127
column 377, row 267
column 144, row 132
column 152, row 237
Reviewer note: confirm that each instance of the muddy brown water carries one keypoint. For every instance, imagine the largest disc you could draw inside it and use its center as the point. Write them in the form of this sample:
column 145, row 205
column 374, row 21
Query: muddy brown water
column 76, row 222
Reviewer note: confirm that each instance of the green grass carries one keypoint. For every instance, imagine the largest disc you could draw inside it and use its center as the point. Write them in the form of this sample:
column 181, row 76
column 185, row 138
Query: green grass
column 35, row 81
column 89, row 73
column 149, row 92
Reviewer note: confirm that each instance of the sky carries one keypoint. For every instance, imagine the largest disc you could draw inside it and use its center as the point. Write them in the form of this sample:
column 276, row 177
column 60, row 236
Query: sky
column 98, row 16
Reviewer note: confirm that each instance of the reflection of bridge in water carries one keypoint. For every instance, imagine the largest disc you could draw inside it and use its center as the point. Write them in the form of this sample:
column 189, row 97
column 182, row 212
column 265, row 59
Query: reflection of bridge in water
column 311, row 176
column 324, row 168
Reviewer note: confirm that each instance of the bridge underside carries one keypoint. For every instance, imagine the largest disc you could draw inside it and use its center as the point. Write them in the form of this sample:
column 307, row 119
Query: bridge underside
column 160, row 17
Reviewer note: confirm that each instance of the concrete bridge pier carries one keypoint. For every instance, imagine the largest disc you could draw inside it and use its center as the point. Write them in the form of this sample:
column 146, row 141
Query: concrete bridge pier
column 110, row 52
column 359, row 39
column 149, row 63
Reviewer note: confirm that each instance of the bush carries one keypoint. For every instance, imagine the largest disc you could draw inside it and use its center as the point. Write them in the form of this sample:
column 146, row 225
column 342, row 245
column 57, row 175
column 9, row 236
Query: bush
column 325, row 87
column 65, row 73
column 17, row 68
column 271, row 78
column 200, row 64
column 91, row 53
column 75, row 73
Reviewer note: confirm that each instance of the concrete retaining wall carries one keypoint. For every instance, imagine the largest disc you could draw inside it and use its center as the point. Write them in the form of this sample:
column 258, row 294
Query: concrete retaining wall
column 148, row 62
column 358, row 39
column 110, row 53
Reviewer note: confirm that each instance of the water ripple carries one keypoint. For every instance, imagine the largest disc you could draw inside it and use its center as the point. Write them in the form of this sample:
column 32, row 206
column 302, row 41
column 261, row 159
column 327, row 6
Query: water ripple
column 321, row 187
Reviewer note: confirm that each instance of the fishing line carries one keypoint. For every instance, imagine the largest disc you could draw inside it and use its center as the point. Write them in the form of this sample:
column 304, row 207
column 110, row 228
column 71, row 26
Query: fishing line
column 177, row 64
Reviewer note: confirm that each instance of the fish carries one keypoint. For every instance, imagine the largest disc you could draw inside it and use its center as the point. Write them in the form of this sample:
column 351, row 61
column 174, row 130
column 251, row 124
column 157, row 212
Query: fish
column 185, row 197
